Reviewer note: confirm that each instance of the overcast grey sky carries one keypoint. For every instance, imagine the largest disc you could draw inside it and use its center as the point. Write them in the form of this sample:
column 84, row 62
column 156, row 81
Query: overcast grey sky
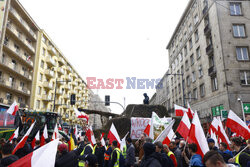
column 111, row 38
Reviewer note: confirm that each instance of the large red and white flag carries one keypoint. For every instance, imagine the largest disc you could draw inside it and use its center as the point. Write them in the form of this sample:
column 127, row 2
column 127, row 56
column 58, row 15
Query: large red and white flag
column 149, row 130
column 81, row 115
column 55, row 133
column 43, row 156
column 184, row 126
column 237, row 125
column 36, row 138
column 179, row 111
column 213, row 136
column 103, row 142
column 15, row 134
column 113, row 135
column 214, row 126
column 197, row 136
column 44, row 135
column 90, row 135
column 222, row 134
column 190, row 112
column 13, row 109
column 167, row 134
column 24, row 139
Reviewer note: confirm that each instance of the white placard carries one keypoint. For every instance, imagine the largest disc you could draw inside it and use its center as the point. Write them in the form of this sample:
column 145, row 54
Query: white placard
column 138, row 125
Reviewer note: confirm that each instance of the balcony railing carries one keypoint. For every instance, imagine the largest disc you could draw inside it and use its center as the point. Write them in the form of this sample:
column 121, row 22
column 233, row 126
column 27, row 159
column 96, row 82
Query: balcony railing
column 50, row 61
column 212, row 71
column 48, row 85
column 52, row 50
column 207, row 30
column 49, row 73
column 209, row 49
column 61, row 60
column 60, row 70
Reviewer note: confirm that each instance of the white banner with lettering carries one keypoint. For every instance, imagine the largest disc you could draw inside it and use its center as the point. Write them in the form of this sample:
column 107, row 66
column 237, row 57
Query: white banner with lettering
column 138, row 125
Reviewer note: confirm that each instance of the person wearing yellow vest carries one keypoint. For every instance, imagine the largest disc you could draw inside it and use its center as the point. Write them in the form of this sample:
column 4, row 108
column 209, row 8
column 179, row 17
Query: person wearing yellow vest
column 170, row 154
column 115, row 155
column 214, row 159
column 107, row 154
column 242, row 158
column 88, row 149
column 99, row 151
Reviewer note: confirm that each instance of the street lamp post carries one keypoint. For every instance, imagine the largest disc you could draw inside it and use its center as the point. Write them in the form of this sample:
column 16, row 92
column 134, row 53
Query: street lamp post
column 243, row 113
column 183, row 88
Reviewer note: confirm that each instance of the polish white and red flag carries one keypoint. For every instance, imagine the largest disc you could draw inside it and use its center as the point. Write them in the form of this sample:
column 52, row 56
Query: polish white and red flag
column 179, row 110
column 76, row 131
column 90, row 135
column 184, row 126
column 43, row 156
column 44, row 135
column 149, row 130
column 24, row 139
column 237, row 125
column 190, row 112
column 55, row 133
column 113, row 135
column 102, row 141
column 81, row 115
column 14, row 135
column 167, row 134
column 197, row 136
column 36, row 138
column 13, row 109
column 214, row 126
column 59, row 127
column 222, row 134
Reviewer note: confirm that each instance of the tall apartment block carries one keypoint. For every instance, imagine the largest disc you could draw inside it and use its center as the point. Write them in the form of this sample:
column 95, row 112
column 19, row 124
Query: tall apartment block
column 210, row 49
column 33, row 71
column 17, row 54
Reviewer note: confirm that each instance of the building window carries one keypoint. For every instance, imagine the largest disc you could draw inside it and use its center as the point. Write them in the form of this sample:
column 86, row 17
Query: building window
column 189, row 96
column 37, row 104
column 214, row 83
column 239, row 30
column 190, row 43
column 40, row 77
column 185, row 36
column 180, row 56
column 200, row 71
column 43, row 52
column 17, row 48
column 182, row 71
column 179, row 88
column 20, row 100
column 44, row 39
column 3, row 58
column 245, row 77
column 202, row 90
column 196, row 19
column 242, row 53
column 195, row 94
column 39, row 90
column 185, row 50
column 188, row 80
column 196, row 36
column 8, row 96
column 21, row 84
column 192, row 59
column 235, row 9
column 198, row 53
column 42, row 64
column 193, row 76
column 186, row 65
column 190, row 28
column 1, row 75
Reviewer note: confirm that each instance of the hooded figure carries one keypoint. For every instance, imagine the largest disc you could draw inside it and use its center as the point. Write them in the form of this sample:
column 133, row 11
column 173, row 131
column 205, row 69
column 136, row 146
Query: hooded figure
column 151, row 158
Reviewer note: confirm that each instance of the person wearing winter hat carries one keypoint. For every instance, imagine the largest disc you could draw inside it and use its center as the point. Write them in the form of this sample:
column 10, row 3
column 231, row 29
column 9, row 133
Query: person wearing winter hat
column 211, row 144
column 150, row 156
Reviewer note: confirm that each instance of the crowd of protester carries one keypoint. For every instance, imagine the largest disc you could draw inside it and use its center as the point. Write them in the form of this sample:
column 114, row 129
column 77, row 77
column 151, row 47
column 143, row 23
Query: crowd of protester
column 143, row 153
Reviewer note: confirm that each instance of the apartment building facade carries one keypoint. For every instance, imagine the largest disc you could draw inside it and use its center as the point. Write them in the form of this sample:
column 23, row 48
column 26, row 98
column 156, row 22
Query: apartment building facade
column 17, row 54
column 210, row 49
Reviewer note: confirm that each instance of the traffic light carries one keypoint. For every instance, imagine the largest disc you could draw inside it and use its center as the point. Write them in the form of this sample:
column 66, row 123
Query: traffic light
column 107, row 100
column 73, row 99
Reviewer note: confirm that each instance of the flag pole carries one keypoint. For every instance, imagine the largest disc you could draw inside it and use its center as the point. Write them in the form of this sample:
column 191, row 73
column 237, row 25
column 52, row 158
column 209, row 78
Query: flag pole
column 241, row 151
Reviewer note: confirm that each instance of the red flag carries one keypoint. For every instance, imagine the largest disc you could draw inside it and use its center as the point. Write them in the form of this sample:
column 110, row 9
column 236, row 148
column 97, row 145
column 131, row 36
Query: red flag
column 169, row 137
column 43, row 156
column 90, row 136
column 37, row 137
column 197, row 136
column 13, row 108
column 23, row 140
column 113, row 135
column 237, row 125
column 102, row 141
column 179, row 111
column 184, row 126
column 14, row 135
column 190, row 112
column 44, row 135
column 222, row 134
column 214, row 126
column 167, row 134
column 55, row 133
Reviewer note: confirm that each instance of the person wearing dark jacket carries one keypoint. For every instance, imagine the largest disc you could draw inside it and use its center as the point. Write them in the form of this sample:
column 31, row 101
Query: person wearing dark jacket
column 226, row 154
column 178, row 154
column 68, row 159
column 130, row 158
column 211, row 144
column 115, row 155
column 165, row 160
column 87, row 149
column 99, row 151
column 196, row 159
column 151, row 158
column 7, row 157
